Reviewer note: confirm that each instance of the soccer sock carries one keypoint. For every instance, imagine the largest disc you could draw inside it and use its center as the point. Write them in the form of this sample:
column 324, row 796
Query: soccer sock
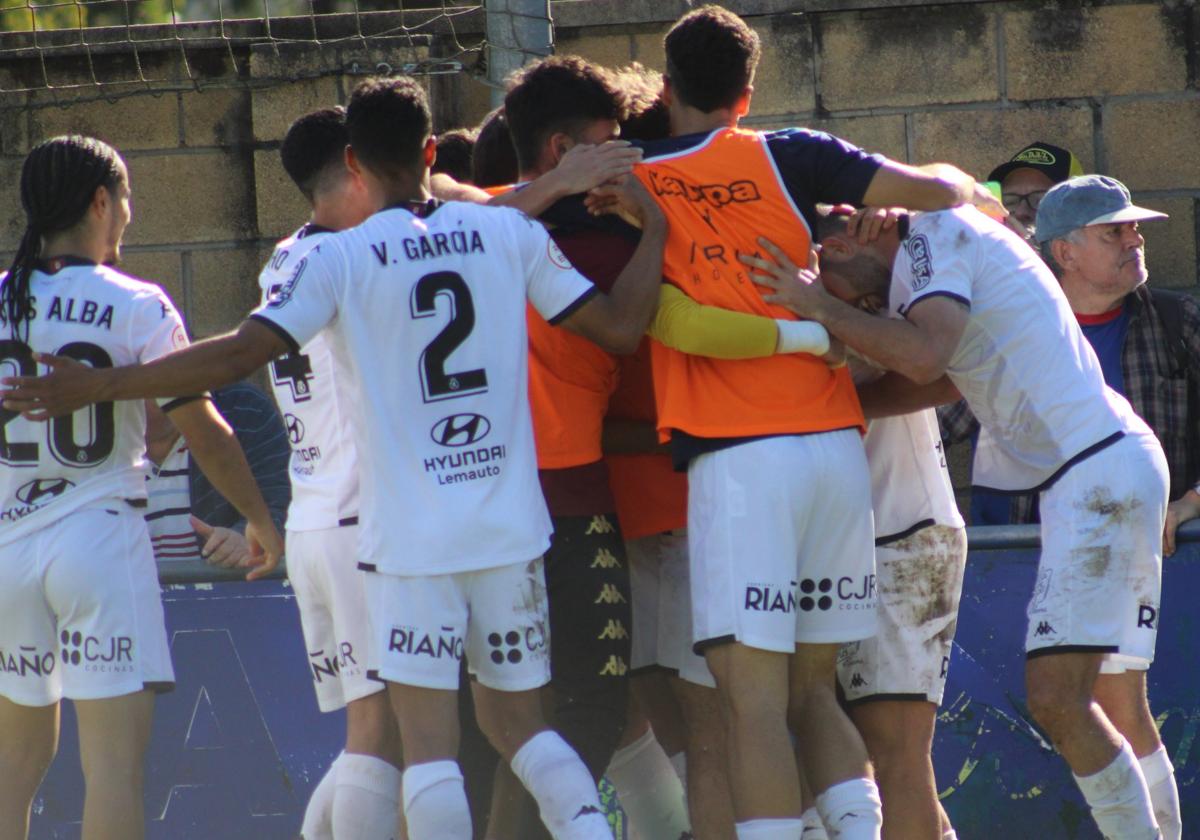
column 566, row 795
column 851, row 810
column 1164, row 795
column 814, row 829
column 435, row 802
column 950, row 835
column 649, row 790
column 1119, row 798
column 784, row 829
column 318, row 816
column 366, row 805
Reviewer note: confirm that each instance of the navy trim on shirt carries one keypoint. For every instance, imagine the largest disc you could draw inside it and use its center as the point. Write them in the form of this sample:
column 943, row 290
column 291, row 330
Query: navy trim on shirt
column 278, row 330
column 904, row 311
column 1058, row 473
column 573, row 307
column 907, row 532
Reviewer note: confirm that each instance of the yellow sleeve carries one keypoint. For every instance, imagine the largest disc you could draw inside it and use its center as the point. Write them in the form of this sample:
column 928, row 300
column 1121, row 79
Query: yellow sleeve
column 690, row 327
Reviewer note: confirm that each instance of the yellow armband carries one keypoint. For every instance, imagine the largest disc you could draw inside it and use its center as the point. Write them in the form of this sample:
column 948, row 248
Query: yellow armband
column 690, row 327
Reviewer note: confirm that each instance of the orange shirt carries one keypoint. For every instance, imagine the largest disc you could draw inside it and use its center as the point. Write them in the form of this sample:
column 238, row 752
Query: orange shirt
column 719, row 197
column 651, row 496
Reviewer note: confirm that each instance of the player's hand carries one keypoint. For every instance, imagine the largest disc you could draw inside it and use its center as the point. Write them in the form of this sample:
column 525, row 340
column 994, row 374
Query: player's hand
column 982, row 198
column 222, row 547
column 835, row 356
column 585, row 166
column 1015, row 225
column 627, row 198
column 1179, row 511
column 868, row 222
column 795, row 288
column 68, row 387
column 266, row 548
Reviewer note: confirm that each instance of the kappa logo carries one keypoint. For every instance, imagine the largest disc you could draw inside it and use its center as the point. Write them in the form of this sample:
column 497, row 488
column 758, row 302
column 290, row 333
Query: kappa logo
column 919, row 254
column 614, row 667
column 718, row 195
column 33, row 492
column 460, row 430
column 614, row 631
column 599, row 525
column 609, row 595
column 295, row 428
column 1044, row 629
column 605, row 559
column 857, row 681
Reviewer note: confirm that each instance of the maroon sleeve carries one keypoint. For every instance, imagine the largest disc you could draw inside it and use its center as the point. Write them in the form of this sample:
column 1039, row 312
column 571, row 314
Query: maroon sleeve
column 598, row 255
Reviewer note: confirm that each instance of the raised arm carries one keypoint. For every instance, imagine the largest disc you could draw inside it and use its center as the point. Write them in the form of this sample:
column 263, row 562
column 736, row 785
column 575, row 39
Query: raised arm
column 934, row 186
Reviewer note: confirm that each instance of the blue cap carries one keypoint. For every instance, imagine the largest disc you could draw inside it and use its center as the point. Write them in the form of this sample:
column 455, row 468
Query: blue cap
column 1087, row 200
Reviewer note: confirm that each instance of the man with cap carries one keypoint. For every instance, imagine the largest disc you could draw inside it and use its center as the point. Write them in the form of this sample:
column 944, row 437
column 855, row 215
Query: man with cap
column 974, row 310
column 1025, row 179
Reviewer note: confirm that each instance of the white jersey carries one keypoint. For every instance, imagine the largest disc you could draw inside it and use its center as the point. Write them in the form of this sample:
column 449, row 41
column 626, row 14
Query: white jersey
column 1023, row 366
column 318, row 409
column 426, row 313
column 101, row 317
column 910, row 485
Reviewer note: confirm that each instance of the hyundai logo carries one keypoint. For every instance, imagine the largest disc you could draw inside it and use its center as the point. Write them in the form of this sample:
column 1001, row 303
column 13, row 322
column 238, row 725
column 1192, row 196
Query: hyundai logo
column 295, row 428
column 40, row 488
column 460, row 430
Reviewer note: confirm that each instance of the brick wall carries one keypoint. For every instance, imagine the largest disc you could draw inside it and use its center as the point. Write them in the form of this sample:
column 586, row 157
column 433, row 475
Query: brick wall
column 969, row 82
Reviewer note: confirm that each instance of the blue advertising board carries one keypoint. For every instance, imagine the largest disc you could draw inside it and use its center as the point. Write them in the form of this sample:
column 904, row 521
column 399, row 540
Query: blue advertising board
column 239, row 745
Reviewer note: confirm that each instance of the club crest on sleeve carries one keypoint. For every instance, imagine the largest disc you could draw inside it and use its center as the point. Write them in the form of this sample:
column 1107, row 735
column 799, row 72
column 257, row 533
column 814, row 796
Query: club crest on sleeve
column 556, row 255
column 921, row 260
column 284, row 294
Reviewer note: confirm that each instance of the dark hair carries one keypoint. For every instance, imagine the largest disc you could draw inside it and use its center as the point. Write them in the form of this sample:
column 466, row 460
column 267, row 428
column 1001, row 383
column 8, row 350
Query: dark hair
column 647, row 117
column 831, row 221
column 494, row 160
column 388, row 121
column 563, row 93
column 711, row 56
column 313, row 145
column 454, row 154
column 59, row 179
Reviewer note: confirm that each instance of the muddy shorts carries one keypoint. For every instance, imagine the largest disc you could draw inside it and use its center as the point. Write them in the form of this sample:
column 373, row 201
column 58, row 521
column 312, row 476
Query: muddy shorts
column 919, row 581
column 1100, row 573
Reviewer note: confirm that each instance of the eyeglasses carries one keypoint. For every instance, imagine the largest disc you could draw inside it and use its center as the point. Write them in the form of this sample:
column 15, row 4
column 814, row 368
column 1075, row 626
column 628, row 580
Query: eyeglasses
column 1012, row 201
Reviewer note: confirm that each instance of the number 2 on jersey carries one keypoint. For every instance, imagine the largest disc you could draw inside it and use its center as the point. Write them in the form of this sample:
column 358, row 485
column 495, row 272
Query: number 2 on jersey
column 60, row 431
column 436, row 383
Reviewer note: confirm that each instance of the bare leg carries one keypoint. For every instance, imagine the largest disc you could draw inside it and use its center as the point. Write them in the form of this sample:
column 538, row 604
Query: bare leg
column 113, row 736
column 831, row 747
column 1123, row 699
column 710, row 798
column 899, row 736
column 1060, row 696
column 28, row 741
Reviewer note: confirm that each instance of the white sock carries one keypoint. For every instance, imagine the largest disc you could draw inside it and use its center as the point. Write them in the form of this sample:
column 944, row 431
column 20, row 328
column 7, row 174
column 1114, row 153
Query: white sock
column 649, row 790
column 435, row 803
column 950, row 835
column 366, row 805
column 784, row 829
column 1164, row 795
column 1119, row 799
column 814, row 829
column 851, row 810
column 679, row 765
column 318, row 816
column 566, row 795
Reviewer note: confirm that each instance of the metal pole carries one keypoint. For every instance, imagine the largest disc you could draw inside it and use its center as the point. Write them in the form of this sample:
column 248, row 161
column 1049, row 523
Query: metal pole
column 517, row 31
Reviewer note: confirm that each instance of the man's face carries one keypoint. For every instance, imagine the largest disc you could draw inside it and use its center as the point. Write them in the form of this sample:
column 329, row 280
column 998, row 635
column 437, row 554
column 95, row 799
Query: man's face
column 855, row 274
column 1022, row 192
column 119, row 216
column 1111, row 258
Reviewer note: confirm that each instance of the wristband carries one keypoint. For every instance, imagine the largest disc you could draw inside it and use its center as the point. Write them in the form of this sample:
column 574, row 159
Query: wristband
column 801, row 337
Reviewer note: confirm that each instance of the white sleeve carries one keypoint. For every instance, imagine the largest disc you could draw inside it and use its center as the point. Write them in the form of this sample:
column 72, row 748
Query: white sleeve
column 308, row 301
column 932, row 264
column 552, row 284
column 157, row 330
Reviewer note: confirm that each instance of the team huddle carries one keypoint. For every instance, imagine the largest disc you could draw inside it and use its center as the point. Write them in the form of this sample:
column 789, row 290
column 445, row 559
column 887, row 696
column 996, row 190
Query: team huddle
column 642, row 435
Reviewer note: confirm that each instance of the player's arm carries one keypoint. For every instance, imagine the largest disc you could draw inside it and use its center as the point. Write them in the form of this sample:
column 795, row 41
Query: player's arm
column 893, row 394
column 920, row 346
column 217, row 452
column 934, row 186
column 206, row 364
column 617, row 321
column 581, row 168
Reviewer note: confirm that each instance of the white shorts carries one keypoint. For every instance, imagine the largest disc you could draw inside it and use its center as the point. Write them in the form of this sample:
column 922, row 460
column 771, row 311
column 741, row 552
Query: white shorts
column 780, row 533
column 920, row 580
column 662, row 607
column 498, row 617
column 330, row 592
column 82, row 610
column 1100, row 574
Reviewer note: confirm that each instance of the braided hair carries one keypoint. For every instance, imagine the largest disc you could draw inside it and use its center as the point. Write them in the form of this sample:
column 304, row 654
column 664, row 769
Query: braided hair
column 58, row 181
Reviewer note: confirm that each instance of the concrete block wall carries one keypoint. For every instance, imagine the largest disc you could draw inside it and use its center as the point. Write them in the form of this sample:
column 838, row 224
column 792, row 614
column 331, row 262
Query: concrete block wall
column 968, row 81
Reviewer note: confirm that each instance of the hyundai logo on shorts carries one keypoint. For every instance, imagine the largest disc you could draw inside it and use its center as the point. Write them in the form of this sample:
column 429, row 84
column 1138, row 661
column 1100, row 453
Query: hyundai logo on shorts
column 460, row 430
column 34, row 491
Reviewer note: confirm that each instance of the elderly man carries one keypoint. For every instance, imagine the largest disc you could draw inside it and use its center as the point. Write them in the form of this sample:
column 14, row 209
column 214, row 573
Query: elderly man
column 1147, row 340
column 974, row 309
